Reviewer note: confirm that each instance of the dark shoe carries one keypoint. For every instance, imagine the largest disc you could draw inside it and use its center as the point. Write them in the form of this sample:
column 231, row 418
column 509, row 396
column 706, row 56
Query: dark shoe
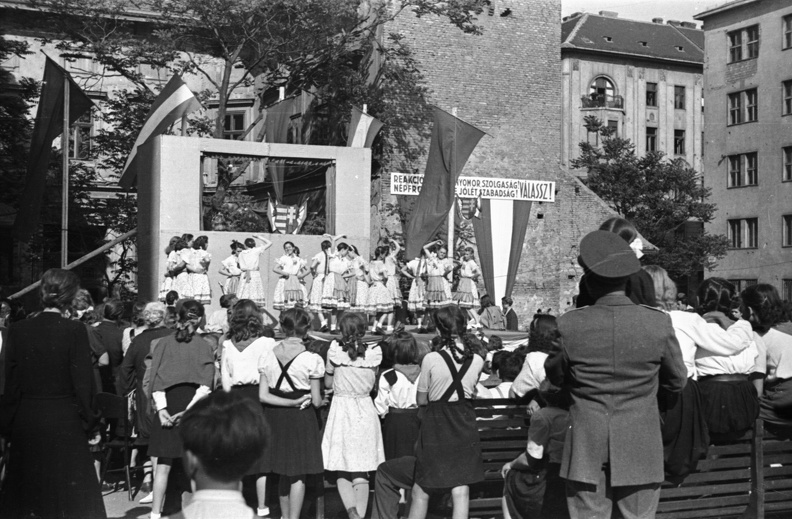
column 324, row 329
column 145, row 488
column 335, row 331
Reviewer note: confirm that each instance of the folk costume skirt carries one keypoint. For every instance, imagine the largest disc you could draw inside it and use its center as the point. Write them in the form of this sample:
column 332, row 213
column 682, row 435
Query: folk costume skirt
column 317, row 288
column 436, row 294
column 448, row 451
column 466, row 295
column 201, row 291
column 262, row 466
column 166, row 442
column 400, row 429
column 361, row 290
column 416, row 300
column 295, row 442
column 334, row 292
column 252, row 288
column 395, row 291
column 730, row 405
column 379, row 299
column 288, row 293
column 182, row 285
column 231, row 285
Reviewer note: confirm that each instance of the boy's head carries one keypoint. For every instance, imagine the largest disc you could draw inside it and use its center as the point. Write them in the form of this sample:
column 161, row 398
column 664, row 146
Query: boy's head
column 509, row 366
column 495, row 343
column 223, row 436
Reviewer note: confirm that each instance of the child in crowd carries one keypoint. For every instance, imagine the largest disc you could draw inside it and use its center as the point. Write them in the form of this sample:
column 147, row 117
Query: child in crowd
column 542, row 332
column 507, row 366
column 380, row 300
column 182, row 372
column 396, row 397
column 334, row 288
column 448, row 451
column 229, row 267
column 466, row 295
column 531, row 486
column 222, row 437
column 416, row 270
column 244, row 346
column 250, row 286
column 198, row 267
column 171, row 298
column 352, row 442
column 290, row 381
column 218, row 321
column 181, row 280
column 170, row 266
column 289, row 291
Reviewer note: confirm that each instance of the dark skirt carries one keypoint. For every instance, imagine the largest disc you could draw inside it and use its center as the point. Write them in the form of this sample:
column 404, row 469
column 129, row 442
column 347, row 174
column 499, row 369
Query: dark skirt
column 684, row 428
column 262, row 465
column 536, row 494
column 50, row 470
column 296, row 445
column 775, row 404
column 166, row 442
column 400, row 429
column 448, row 450
column 730, row 405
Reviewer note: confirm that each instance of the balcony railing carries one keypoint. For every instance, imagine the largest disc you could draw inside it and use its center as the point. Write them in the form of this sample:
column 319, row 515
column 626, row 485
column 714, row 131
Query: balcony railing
column 602, row 101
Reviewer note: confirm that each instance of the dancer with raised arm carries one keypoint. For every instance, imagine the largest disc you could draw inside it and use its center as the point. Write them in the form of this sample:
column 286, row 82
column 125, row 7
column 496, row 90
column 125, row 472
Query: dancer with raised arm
column 250, row 285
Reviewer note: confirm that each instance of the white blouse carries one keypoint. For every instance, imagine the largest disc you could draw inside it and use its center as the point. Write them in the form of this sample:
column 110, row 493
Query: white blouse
column 750, row 360
column 305, row 367
column 231, row 265
column 469, row 269
column 779, row 354
column 240, row 368
column 249, row 258
column 693, row 333
column 401, row 395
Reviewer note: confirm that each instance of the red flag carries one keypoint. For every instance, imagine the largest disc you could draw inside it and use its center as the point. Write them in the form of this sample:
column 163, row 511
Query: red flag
column 174, row 102
column 48, row 125
column 453, row 140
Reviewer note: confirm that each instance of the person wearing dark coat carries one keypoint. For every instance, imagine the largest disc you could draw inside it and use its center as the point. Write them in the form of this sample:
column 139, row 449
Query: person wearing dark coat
column 512, row 322
column 111, row 335
column 613, row 356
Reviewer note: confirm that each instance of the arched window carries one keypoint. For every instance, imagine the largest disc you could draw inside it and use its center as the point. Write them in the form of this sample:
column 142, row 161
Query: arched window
column 602, row 88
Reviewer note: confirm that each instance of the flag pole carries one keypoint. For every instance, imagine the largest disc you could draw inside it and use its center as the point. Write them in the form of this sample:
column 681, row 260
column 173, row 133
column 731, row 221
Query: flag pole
column 451, row 212
column 65, row 191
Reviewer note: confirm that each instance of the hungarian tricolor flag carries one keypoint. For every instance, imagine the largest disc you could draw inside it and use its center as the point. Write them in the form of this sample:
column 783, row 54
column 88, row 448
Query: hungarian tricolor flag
column 287, row 219
column 363, row 128
column 174, row 102
column 48, row 125
column 453, row 140
column 500, row 235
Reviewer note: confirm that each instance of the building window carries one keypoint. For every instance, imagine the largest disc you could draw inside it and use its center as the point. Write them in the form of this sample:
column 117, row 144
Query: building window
column 786, row 289
column 787, row 97
column 679, row 97
column 651, row 139
column 743, row 170
column 613, row 128
column 601, row 87
column 743, row 44
column 602, row 95
column 679, row 142
column 743, row 107
column 788, row 31
column 743, row 233
column 786, row 239
column 787, row 164
column 742, row 284
column 651, row 94
column 80, row 137
column 234, row 125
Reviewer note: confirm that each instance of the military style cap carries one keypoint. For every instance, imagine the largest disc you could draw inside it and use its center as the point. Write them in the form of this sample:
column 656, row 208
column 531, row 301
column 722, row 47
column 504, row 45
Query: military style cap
column 606, row 255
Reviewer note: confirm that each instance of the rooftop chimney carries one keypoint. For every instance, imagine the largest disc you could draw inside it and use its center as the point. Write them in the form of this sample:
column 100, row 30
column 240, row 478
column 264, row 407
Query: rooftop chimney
column 657, row 20
column 609, row 14
column 675, row 23
column 689, row 25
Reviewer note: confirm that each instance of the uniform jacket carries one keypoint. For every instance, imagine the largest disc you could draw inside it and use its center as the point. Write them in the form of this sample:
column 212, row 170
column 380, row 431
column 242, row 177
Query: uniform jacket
column 613, row 356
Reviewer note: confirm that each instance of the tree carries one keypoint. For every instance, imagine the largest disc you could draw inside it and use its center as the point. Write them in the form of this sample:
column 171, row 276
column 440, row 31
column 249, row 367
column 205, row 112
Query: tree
column 658, row 195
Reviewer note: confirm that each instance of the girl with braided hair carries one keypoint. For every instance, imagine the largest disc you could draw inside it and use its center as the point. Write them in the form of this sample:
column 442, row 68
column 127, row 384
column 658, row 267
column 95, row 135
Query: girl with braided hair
column 182, row 372
column 448, row 454
column 352, row 442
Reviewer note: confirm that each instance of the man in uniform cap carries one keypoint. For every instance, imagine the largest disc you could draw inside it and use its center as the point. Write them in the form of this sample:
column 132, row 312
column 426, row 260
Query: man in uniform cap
column 612, row 356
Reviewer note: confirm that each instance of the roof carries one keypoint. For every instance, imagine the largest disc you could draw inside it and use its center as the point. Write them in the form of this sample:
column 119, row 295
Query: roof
column 723, row 8
column 619, row 36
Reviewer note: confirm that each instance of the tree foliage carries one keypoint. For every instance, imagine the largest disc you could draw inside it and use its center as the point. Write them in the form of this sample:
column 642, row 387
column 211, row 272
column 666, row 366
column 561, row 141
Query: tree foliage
column 658, row 195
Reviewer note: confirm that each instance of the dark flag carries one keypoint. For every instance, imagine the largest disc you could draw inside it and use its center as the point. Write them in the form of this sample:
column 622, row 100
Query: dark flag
column 278, row 124
column 453, row 140
column 174, row 102
column 48, row 125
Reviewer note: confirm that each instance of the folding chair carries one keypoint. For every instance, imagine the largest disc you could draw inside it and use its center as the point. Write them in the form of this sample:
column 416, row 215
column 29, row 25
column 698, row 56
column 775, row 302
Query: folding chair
column 114, row 409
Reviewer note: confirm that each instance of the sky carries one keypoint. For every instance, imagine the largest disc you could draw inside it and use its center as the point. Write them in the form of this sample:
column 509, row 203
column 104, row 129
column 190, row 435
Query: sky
column 682, row 10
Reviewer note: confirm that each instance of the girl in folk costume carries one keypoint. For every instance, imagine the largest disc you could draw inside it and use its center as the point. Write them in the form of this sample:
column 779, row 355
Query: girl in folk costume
column 356, row 282
column 304, row 272
column 437, row 286
column 197, row 267
column 250, row 285
column 170, row 268
column 352, row 442
column 466, row 295
column 391, row 269
column 289, row 292
column 379, row 302
column 417, row 270
column 290, row 382
column 447, row 266
column 320, row 265
column 230, row 268
column 334, row 289
column 244, row 346
column 182, row 372
column 181, row 283
column 396, row 397
column 448, row 453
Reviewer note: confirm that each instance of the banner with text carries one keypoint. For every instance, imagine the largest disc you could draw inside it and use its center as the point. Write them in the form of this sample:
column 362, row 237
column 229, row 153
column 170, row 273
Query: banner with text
column 473, row 187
